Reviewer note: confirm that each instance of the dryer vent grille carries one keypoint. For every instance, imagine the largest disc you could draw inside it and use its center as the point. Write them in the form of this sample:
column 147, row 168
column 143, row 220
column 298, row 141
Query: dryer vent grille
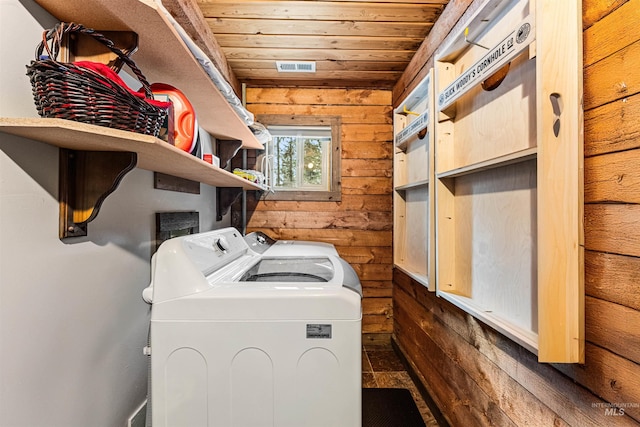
column 296, row 66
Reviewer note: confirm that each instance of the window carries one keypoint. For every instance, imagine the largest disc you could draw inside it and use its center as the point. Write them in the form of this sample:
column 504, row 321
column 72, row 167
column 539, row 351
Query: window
column 303, row 157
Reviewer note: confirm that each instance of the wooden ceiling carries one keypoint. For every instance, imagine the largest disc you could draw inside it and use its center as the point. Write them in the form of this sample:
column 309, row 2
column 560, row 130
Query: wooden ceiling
column 355, row 43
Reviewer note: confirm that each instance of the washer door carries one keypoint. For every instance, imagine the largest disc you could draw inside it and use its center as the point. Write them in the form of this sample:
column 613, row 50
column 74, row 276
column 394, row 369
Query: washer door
column 290, row 270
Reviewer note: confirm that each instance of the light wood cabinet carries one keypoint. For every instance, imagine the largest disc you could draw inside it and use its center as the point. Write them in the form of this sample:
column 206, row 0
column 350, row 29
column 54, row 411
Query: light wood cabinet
column 509, row 169
column 413, row 195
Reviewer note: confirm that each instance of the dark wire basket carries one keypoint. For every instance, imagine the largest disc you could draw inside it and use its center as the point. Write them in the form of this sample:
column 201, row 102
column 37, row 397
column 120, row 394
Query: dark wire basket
column 73, row 92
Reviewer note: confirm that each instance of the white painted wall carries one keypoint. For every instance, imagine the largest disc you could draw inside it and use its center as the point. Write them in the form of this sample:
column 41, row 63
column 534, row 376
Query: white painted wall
column 72, row 320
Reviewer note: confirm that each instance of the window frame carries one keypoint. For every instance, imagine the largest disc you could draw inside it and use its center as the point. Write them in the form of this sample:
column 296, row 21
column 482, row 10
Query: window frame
column 335, row 122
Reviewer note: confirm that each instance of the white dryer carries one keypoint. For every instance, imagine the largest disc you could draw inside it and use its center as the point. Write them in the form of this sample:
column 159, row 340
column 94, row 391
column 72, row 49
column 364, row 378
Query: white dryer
column 243, row 338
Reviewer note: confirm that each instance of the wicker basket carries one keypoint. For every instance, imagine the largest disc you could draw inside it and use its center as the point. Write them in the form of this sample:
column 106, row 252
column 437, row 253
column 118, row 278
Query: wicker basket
column 76, row 92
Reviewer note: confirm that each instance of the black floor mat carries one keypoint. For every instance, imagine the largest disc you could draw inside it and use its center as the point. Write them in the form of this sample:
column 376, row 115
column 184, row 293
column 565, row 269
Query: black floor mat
column 389, row 407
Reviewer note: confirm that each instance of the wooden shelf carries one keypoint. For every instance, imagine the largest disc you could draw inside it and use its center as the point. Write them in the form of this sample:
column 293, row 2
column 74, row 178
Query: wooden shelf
column 153, row 154
column 522, row 336
column 162, row 56
column 415, row 275
column 412, row 185
column 507, row 159
column 414, row 197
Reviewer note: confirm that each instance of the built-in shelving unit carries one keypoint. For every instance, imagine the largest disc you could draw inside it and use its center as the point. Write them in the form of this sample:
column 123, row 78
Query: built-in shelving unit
column 162, row 56
column 509, row 236
column 414, row 251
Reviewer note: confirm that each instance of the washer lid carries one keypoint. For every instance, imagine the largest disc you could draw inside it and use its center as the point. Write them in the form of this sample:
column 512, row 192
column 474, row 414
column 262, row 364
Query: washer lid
column 303, row 269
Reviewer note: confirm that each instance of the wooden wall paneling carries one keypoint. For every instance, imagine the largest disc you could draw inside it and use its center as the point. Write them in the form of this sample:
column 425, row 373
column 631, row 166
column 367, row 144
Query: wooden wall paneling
column 607, row 33
column 573, row 404
column 495, row 383
column 613, row 77
column 614, row 126
column 594, row 10
column 613, row 377
column 614, row 327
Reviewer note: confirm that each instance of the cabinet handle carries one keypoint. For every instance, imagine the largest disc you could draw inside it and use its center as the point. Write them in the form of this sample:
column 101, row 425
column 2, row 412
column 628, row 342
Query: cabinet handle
column 556, row 105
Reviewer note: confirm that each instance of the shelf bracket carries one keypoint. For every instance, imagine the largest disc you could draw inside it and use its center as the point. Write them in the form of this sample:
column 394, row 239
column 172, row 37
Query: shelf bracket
column 86, row 178
column 226, row 149
column 225, row 197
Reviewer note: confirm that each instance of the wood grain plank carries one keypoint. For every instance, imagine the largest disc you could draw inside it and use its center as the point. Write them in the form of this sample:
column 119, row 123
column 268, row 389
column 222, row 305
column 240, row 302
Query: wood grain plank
column 351, row 185
column 373, row 271
column 364, row 167
column 321, row 10
column 366, row 150
column 612, row 228
column 315, row 42
column 323, row 97
column 613, row 278
column 614, row 126
column 235, row 53
column 611, row 33
column 367, row 132
column 364, row 114
column 368, row 203
column 614, row 327
column 377, row 288
column 366, row 255
column 613, row 177
column 594, row 10
column 353, row 220
column 613, row 77
column 319, row 28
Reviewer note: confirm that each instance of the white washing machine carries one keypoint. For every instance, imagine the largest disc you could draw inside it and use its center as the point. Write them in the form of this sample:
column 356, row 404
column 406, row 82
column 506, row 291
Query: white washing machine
column 241, row 337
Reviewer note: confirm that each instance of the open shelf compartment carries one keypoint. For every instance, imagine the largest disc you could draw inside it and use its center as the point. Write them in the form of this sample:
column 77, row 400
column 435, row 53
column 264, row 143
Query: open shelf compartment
column 414, row 251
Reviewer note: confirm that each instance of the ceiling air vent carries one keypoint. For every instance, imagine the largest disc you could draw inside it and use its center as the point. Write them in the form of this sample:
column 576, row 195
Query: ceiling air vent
column 296, row 66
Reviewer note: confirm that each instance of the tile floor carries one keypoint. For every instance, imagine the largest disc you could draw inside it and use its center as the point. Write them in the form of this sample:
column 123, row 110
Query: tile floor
column 382, row 368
